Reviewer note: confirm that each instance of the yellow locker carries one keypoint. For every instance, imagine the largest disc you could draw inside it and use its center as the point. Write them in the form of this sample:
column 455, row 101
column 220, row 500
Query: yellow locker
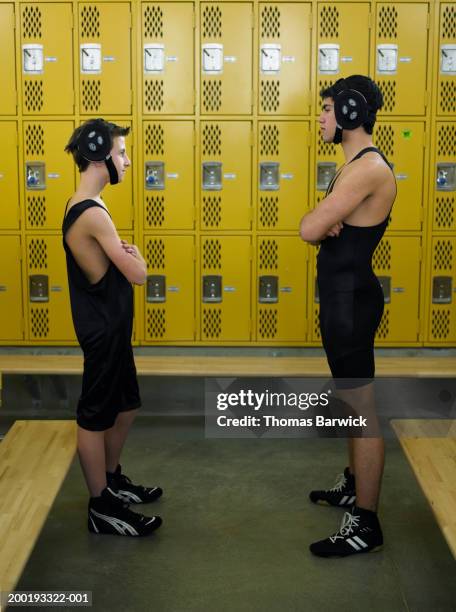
column 48, row 301
column 47, row 58
column 442, row 291
column 226, row 160
column 401, row 57
column 168, row 58
column 9, row 180
column 225, row 288
column 226, row 58
column 11, row 313
column 8, row 99
column 168, row 174
column 283, row 161
column 285, row 39
column 105, row 58
column 342, row 42
column 403, row 145
column 443, row 177
column 170, row 288
column 281, row 289
column 49, row 173
column 446, row 104
column 397, row 265
column 329, row 158
column 119, row 198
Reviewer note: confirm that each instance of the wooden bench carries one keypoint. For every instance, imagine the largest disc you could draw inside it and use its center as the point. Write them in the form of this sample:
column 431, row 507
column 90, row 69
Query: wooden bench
column 34, row 459
column 430, row 447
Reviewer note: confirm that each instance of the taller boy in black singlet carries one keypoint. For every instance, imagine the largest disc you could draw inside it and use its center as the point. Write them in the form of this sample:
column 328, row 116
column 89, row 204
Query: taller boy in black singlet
column 101, row 269
column 348, row 224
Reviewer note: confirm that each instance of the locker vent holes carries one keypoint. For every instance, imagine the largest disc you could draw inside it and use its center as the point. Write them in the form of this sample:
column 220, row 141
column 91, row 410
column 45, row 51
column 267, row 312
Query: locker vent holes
column 388, row 89
column 40, row 322
column 156, row 254
column 382, row 256
column 449, row 22
column 212, row 322
column 33, row 94
column 387, row 22
column 270, row 22
column 36, row 211
column 156, row 322
column 212, row 140
column 212, row 255
column 91, row 95
column 154, row 95
column 34, row 140
column 443, row 256
column 447, row 96
column 269, row 212
column 212, row 22
column 329, row 21
column 383, row 328
column 269, row 255
column 270, row 96
column 212, row 211
column 37, row 255
column 268, row 322
column 384, row 139
column 269, row 140
column 212, row 95
column 153, row 22
column 155, row 140
column 155, row 211
column 31, row 22
column 90, row 22
column 440, row 323
column 446, row 144
column 444, row 213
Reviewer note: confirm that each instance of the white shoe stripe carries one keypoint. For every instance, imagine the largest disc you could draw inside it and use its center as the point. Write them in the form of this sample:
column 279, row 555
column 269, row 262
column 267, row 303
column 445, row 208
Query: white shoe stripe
column 362, row 542
column 120, row 526
column 151, row 520
column 355, row 546
column 94, row 526
column 343, row 500
column 130, row 496
column 352, row 499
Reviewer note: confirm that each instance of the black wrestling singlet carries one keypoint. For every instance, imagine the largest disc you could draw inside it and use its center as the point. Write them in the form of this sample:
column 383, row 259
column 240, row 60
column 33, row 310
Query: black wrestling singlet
column 351, row 298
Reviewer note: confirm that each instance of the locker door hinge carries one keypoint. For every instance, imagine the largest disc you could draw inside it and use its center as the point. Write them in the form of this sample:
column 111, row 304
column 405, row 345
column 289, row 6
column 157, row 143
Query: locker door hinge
column 369, row 21
column 252, row 137
column 194, row 99
column 428, row 21
column 310, row 20
column 194, row 137
column 252, row 98
column 252, row 20
column 419, row 324
column 194, row 20
column 426, row 98
column 130, row 17
column 13, row 21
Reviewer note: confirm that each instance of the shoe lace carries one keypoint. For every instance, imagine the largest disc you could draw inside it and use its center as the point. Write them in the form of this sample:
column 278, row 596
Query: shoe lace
column 125, row 480
column 341, row 481
column 348, row 523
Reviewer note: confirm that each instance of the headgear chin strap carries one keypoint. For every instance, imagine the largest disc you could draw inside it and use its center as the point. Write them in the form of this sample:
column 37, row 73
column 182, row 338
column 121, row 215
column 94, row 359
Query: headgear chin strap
column 350, row 108
column 95, row 144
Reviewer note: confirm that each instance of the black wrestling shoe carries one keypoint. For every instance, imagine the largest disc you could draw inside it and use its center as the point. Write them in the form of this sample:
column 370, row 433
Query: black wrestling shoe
column 110, row 514
column 131, row 493
column 342, row 494
column 360, row 532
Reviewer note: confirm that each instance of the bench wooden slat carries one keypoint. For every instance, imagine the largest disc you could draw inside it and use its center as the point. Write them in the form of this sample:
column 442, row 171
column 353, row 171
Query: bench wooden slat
column 430, row 447
column 189, row 365
column 34, row 459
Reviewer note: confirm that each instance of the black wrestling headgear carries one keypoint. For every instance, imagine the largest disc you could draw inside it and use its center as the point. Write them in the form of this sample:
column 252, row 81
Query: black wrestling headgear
column 95, row 144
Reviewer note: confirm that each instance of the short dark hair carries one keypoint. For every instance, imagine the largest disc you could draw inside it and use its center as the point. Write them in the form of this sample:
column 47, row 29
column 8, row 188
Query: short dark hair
column 72, row 146
column 365, row 86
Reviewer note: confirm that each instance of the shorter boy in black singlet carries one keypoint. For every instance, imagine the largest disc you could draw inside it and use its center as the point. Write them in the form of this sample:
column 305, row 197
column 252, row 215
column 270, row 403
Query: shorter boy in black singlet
column 348, row 224
column 101, row 269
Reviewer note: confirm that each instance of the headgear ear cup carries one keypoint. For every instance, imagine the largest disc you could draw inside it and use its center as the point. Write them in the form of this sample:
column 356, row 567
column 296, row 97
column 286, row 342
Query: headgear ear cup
column 95, row 144
column 350, row 108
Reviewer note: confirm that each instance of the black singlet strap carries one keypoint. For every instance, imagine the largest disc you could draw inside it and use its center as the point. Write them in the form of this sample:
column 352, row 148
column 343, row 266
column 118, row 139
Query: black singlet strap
column 369, row 150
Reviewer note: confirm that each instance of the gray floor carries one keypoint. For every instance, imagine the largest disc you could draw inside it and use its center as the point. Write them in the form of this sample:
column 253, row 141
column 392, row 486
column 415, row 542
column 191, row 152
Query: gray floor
column 237, row 523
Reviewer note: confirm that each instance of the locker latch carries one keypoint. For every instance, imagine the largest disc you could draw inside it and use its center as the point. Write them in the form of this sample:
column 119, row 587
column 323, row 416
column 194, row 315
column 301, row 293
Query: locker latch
column 268, row 290
column 154, row 58
column 446, row 177
column 385, row 282
column 212, row 176
column 269, row 176
column 328, row 58
column 387, row 59
column 156, row 288
column 441, row 289
column 155, row 175
column 448, row 59
column 32, row 59
column 212, row 58
column 35, row 175
column 270, row 58
column 90, row 58
column 39, row 288
column 325, row 174
column 212, row 288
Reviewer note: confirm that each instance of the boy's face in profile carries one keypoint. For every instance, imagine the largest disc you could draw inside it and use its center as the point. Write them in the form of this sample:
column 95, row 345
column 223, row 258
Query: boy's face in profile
column 119, row 156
